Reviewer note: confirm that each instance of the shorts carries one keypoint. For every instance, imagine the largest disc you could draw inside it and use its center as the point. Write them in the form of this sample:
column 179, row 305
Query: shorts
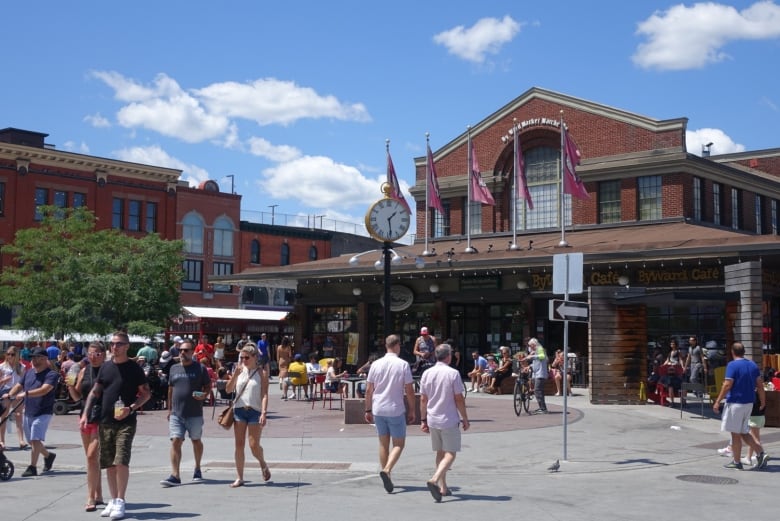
column 736, row 418
column 447, row 440
column 35, row 427
column 332, row 386
column 757, row 422
column 116, row 443
column 90, row 429
column 395, row 426
column 178, row 426
column 247, row 415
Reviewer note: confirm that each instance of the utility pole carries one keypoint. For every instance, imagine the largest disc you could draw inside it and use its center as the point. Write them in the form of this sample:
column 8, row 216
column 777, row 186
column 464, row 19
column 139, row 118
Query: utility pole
column 273, row 208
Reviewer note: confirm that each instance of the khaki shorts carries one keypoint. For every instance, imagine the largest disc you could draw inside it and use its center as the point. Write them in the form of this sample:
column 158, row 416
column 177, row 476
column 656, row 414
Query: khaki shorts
column 757, row 422
column 116, row 442
column 447, row 440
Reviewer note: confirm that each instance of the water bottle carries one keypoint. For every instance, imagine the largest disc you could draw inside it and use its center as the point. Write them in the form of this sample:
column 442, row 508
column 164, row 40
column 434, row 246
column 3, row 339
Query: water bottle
column 118, row 406
column 73, row 373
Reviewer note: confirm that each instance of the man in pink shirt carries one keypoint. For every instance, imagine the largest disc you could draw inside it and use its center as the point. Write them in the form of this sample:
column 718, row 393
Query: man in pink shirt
column 388, row 380
column 442, row 408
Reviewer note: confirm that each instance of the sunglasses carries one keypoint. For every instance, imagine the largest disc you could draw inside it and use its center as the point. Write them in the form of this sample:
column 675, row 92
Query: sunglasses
column 185, row 350
column 118, row 344
column 244, row 357
column 10, row 354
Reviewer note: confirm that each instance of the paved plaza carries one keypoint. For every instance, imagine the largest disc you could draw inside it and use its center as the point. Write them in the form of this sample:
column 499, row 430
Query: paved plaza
column 623, row 462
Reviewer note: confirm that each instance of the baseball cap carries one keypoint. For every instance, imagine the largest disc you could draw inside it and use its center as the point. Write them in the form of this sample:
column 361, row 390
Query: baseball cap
column 165, row 356
column 39, row 351
column 177, row 339
column 424, row 331
column 298, row 356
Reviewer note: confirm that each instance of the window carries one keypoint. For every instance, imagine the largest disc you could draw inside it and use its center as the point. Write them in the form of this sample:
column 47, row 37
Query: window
column 736, row 209
column 151, row 217
column 41, row 199
column 474, row 216
column 118, row 214
column 542, row 167
column 649, row 197
column 60, row 199
column 192, row 233
column 2, row 198
column 223, row 268
column 698, row 198
column 313, row 252
column 223, row 237
column 716, row 204
column 441, row 221
column 609, row 201
column 79, row 200
column 285, row 258
column 134, row 216
column 193, row 275
column 254, row 252
column 759, row 215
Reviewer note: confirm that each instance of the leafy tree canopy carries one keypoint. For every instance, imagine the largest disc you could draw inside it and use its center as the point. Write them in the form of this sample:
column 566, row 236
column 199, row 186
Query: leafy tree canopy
column 65, row 277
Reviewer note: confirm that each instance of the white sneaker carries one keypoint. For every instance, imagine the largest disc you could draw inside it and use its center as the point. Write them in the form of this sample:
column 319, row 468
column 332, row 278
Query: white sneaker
column 746, row 461
column 119, row 509
column 725, row 451
column 754, row 460
column 109, row 507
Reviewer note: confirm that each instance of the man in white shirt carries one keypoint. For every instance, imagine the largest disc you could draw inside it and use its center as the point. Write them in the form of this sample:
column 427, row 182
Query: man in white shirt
column 388, row 380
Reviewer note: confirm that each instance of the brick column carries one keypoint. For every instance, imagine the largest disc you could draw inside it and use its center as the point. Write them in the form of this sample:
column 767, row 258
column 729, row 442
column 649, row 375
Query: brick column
column 745, row 277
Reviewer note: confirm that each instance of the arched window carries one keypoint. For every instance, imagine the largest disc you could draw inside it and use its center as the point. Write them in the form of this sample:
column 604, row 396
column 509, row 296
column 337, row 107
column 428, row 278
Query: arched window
column 285, row 259
column 192, row 233
column 313, row 253
column 223, row 237
column 254, row 253
column 542, row 170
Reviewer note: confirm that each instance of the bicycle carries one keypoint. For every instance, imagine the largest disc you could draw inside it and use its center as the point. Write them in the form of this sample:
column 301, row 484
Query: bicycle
column 522, row 394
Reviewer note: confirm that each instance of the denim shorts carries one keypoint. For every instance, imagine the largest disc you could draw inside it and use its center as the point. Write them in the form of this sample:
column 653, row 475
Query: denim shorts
column 178, row 426
column 248, row 416
column 35, row 427
column 395, row 426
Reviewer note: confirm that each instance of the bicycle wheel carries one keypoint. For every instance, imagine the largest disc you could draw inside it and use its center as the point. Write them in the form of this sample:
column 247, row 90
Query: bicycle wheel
column 518, row 398
column 526, row 397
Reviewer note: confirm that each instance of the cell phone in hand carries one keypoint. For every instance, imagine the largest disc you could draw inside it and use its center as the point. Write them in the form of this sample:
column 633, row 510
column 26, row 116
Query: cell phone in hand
column 198, row 394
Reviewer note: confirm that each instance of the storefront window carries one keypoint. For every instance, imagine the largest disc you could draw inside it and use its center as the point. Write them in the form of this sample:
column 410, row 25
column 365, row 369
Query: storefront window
column 330, row 328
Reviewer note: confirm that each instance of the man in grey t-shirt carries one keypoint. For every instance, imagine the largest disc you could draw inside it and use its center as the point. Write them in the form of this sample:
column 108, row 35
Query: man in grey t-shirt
column 188, row 386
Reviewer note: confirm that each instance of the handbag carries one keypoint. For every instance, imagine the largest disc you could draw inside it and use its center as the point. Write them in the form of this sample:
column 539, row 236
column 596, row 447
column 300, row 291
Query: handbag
column 227, row 417
column 95, row 413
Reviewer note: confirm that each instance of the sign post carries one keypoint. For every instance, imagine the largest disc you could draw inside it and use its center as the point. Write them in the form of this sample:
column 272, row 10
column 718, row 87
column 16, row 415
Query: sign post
column 567, row 279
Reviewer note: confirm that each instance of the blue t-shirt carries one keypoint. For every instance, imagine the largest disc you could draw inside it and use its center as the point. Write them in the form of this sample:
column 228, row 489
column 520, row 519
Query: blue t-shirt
column 743, row 373
column 480, row 363
column 40, row 405
column 262, row 346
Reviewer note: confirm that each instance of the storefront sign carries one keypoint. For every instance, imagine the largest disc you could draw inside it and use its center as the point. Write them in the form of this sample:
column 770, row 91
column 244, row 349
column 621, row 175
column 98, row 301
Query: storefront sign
column 481, row 283
column 401, row 298
column 662, row 277
column 540, row 121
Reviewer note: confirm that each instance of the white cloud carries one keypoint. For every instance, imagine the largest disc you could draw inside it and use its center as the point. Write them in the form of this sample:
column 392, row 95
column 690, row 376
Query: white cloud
column 319, row 182
column 721, row 143
column 97, row 120
column 486, row 36
column 270, row 101
column 261, row 147
column 692, row 37
column 154, row 155
column 71, row 146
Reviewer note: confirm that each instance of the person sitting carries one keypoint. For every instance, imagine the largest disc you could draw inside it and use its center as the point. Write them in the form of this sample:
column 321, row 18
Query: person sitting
column 363, row 372
column 557, row 372
column 475, row 375
column 297, row 376
column 490, row 370
column 333, row 378
column 504, row 369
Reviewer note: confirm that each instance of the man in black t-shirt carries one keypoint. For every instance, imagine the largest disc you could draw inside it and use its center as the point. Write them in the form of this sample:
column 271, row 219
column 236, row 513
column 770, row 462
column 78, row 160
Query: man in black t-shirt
column 120, row 382
column 188, row 385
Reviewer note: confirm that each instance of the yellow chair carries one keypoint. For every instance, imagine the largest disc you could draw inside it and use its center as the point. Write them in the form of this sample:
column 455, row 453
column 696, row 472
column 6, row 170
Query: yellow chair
column 719, row 375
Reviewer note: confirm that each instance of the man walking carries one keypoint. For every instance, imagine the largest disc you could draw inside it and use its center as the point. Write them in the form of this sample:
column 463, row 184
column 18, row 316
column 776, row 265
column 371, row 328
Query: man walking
column 388, row 380
column 475, row 375
column 538, row 358
column 743, row 379
column 696, row 362
column 122, row 390
column 188, row 385
column 37, row 389
column 442, row 407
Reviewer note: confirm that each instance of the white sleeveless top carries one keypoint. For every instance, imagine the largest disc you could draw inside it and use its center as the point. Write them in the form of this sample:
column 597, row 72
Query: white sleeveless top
column 253, row 394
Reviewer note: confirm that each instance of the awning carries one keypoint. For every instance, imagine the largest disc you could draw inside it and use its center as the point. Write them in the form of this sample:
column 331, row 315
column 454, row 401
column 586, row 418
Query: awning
column 236, row 314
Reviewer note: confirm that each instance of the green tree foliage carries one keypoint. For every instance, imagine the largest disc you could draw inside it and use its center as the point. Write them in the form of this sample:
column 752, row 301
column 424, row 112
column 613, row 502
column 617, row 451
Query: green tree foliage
column 65, row 277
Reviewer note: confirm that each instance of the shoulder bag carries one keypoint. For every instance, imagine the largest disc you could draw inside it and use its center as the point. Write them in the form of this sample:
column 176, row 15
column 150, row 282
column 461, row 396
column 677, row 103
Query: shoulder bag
column 227, row 416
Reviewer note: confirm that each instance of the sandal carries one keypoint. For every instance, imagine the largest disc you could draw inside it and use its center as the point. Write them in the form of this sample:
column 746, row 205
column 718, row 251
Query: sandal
column 24, row 446
column 237, row 483
column 266, row 473
column 90, row 507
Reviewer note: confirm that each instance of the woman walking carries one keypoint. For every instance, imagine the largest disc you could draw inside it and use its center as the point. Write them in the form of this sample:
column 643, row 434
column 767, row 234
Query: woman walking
column 11, row 372
column 250, row 383
column 283, row 357
column 96, row 354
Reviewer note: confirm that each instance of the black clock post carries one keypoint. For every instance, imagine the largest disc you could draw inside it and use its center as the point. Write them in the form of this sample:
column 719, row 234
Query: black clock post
column 387, row 316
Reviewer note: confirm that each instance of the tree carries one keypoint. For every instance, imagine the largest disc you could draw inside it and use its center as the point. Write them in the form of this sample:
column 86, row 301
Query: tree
column 65, row 277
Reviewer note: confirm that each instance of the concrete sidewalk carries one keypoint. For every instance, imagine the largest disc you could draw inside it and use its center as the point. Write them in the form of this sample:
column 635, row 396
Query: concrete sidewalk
column 624, row 462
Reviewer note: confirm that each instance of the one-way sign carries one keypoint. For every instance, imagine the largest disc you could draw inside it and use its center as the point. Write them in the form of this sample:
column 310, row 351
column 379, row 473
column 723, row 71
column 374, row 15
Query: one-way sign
column 568, row 310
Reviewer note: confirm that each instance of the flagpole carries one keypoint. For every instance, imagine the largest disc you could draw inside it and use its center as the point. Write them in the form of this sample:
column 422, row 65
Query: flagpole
column 516, row 166
column 562, row 210
column 427, row 182
column 469, row 160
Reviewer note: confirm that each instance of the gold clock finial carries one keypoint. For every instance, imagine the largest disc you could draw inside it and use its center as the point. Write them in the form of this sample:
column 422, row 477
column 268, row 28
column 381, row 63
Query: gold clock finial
column 386, row 189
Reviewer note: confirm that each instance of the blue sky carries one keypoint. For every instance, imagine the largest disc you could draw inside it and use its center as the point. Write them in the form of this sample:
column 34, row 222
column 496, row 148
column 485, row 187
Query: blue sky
column 296, row 100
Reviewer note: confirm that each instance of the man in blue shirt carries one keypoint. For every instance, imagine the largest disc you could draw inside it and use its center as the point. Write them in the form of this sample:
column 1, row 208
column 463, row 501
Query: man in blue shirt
column 480, row 364
column 743, row 380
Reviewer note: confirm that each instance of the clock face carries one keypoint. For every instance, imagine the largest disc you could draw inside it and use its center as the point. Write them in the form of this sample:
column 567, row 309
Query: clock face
column 388, row 220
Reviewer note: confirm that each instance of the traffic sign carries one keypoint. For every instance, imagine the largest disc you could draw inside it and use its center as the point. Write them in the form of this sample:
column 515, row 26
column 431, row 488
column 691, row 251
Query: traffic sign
column 568, row 310
column 567, row 273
